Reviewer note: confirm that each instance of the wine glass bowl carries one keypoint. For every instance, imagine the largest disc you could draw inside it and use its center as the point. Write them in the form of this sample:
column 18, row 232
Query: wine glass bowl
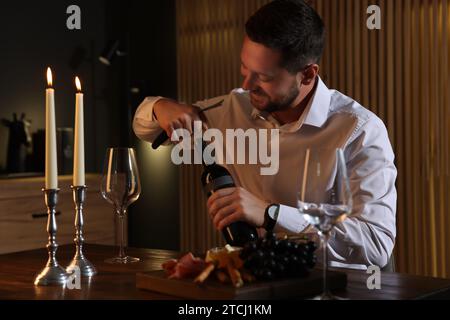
column 324, row 216
column 121, row 187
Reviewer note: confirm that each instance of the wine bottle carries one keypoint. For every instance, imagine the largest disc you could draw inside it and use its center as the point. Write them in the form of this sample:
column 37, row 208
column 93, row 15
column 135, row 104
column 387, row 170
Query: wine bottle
column 215, row 177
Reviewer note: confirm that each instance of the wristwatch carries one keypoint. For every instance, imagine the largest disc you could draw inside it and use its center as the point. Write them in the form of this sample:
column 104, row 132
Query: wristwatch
column 271, row 216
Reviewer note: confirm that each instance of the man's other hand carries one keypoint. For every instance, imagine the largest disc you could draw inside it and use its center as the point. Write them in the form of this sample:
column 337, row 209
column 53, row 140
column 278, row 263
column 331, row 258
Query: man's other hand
column 229, row 205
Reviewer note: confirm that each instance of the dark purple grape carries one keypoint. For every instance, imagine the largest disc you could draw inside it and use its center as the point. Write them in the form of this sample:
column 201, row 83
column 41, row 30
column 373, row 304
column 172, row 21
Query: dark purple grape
column 267, row 274
column 271, row 236
column 302, row 254
column 258, row 273
column 293, row 260
column 270, row 254
column 251, row 246
column 259, row 253
column 282, row 246
column 301, row 262
column 289, row 246
column 266, row 244
column 259, row 257
column 255, row 260
column 311, row 246
column 275, row 244
column 248, row 249
column 311, row 262
column 249, row 263
column 280, row 269
column 271, row 264
column 259, row 242
column 282, row 259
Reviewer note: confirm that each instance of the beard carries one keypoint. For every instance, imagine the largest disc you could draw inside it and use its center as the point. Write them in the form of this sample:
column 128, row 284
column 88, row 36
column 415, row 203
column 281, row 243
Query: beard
column 262, row 101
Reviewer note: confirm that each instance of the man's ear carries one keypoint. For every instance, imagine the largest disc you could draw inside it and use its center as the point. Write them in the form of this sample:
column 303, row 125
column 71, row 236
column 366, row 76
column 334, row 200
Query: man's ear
column 308, row 75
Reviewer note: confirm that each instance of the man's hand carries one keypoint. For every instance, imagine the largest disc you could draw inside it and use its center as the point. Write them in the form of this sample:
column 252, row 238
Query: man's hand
column 172, row 115
column 226, row 206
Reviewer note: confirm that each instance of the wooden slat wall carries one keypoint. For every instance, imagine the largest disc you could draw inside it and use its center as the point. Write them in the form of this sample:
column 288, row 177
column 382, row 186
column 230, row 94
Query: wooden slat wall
column 400, row 72
column 209, row 40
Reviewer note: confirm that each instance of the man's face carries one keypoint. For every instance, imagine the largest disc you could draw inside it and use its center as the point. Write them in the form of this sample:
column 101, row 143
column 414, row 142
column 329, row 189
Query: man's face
column 272, row 88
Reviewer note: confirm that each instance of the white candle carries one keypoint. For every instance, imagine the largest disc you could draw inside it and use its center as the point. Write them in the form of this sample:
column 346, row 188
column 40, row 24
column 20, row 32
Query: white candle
column 51, row 165
column 78, row 158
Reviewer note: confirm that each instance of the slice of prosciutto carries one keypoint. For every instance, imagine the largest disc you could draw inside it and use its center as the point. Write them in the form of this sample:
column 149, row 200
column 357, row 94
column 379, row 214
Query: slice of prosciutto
column 187, row 266
column 169, row 266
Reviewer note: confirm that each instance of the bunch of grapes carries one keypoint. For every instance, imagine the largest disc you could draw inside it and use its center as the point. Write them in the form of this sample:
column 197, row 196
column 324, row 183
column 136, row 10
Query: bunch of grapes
column 270, row 258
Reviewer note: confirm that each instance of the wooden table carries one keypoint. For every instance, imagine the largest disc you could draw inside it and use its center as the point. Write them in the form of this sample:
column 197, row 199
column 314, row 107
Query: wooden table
column 17, row 271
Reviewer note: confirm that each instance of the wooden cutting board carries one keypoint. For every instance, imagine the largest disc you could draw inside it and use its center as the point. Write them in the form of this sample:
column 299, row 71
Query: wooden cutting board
column 212, row 289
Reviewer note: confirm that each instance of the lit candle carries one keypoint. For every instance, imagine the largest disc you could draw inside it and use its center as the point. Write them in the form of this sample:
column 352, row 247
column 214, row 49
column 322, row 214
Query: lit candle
column 78, row 158
column 51, row 165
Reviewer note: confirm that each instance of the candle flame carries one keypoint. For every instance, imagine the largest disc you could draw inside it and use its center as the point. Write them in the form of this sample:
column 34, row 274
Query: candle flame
column 78, row 84
column 49, row 77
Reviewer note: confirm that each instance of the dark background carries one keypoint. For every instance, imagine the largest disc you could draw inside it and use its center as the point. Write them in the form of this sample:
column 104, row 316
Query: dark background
column 34, row 36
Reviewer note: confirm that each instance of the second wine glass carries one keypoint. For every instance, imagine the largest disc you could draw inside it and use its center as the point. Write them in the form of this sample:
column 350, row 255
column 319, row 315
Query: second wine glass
column 121, row 187
column 325, row 198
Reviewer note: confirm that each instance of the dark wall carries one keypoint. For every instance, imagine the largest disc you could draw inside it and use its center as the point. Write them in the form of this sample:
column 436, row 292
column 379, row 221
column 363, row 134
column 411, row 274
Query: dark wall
column 148, row 28
column 34, row 35
column 155, row 220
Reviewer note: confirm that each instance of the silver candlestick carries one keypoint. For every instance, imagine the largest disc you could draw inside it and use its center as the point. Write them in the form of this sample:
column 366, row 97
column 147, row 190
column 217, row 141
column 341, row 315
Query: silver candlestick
column 86, row 267
column 53, row 273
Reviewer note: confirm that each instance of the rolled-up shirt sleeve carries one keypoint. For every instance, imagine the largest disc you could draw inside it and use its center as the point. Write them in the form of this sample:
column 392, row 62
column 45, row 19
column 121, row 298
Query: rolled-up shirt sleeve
column 367, row 237
column 145, row 126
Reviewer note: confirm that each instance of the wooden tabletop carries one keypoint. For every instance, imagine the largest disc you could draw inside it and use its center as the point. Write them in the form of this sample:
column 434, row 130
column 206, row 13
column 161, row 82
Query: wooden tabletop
column 17, row 271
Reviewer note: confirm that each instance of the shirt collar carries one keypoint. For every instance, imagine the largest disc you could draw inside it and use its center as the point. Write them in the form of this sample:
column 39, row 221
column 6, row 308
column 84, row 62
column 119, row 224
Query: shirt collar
column 259, row 114
column 317, row 111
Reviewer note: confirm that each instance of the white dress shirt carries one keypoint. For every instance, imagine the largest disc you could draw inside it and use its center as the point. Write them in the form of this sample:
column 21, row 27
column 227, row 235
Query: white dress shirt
column 333, row 120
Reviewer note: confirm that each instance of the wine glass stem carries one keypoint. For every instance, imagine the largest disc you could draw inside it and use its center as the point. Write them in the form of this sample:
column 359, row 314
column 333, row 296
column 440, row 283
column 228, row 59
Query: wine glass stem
column 324, row 239
column 122, row 232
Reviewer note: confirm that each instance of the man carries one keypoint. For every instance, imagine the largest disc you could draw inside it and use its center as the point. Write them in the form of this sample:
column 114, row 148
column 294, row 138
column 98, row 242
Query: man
column 281, row 89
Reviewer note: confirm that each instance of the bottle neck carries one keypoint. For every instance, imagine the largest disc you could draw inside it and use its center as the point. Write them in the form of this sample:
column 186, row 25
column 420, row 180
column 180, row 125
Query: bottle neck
column 205, row 165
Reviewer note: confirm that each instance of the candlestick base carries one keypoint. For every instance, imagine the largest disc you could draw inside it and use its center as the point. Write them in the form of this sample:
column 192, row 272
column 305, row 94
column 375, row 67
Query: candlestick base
column 53, row 273
column 87, row 269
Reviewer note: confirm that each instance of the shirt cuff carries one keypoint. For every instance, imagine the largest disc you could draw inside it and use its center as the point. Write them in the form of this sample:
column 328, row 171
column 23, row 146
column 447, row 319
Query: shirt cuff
column 145, row 109
column 290, row 220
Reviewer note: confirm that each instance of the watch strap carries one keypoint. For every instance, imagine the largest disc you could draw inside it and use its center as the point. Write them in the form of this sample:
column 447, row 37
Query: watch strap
column 269, row 222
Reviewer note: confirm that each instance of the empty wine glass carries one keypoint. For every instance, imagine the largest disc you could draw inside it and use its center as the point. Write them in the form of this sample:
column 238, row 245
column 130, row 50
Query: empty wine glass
column 325, row 198
column 121, row 187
